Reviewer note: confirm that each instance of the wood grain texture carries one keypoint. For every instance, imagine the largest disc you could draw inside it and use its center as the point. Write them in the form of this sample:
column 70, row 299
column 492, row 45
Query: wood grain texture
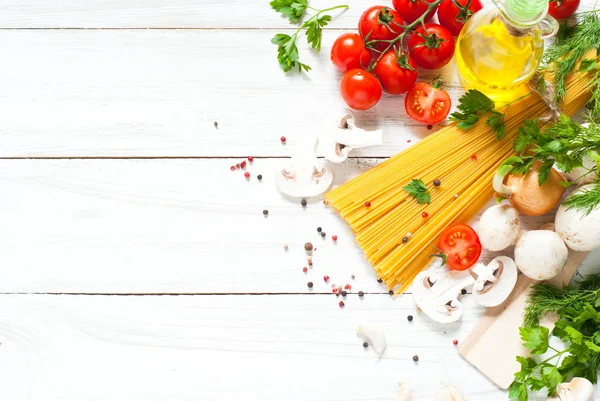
column 157, row 93
column 169, row 14
column 177, row 226
column 223, row 348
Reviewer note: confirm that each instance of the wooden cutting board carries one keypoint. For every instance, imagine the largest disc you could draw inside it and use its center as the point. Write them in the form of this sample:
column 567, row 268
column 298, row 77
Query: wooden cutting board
column 494, row 343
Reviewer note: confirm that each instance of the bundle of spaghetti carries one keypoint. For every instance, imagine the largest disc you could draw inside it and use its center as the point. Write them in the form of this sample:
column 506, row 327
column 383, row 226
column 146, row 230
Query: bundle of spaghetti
column 394, row 231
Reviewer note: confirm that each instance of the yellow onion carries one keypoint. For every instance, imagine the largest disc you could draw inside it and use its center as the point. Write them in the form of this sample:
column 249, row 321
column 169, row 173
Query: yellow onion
column 525, row 193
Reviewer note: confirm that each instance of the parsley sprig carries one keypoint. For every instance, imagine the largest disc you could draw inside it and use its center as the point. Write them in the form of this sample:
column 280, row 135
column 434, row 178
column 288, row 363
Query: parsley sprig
column 578, row 327
column 294, row 10
column 418, row 190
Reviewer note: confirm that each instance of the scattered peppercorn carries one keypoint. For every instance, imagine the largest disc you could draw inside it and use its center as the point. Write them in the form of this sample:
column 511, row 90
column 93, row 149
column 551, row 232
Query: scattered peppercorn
column 310, row 263
column 216, row 124
column 425, row 215
column 368, row 204
column 326, row 278
column 416, row 358
column 455, row 342
column 323, row 234
column 308, row 246
column 474, row 157
column 243, row 164
column 409, row 318
column 379, row 280
column 247, row 175
column 237, row 165
column 404, row 239
column 353, row 276
column 305, row 269
column 282, row 139
column 266, row 212
column 391, row 292
column 361, row 294
column 408, row 235
column 232, row 168
column 334, row 237
column 303, row 202
column 455, row 196
column 250, row 159
column 310, row 284
column 259, row 177
column 348, row 287
column 408, row 141
column 437, row 182
column 341, row 304
column 286, row 246
column 334, row 290
column 319, row 229
column 429, row 126
column 344, row 293
column 463, row 291
column 366, row 344
column 337, row 294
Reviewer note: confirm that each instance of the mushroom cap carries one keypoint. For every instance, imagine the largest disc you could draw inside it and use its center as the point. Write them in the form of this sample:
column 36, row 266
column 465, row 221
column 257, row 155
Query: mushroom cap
column 580, row 232
column 540, row 254
column 437, row 294
column 495, row 281
column 498, row 227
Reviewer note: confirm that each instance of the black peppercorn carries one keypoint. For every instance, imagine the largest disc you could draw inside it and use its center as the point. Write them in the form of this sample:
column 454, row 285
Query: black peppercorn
column 259, row 177
column 416, row 358
column 323, row 234
column 216, row 124
column 319, row 229
column 379, row 280
column 310, row 284
column 344, row 293
column 410, row 318
column 463, row 291
column 303, row 202
column 266, row 212
column 404, row 239
column 391, row 292
column 361, row 294
column 366, row 344
column 437, row 182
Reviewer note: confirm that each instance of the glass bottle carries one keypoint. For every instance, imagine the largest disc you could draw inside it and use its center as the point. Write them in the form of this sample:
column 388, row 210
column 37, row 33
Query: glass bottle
column 499, row 49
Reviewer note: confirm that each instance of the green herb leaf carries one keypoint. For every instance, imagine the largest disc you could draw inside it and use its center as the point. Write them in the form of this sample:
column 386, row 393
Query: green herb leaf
column 544, row 172
column 496, row 122
column 535, row 338
column 471, row 106
column 518, row 390
column 551, row 377
column 586, row 201
column 587, row 65
column 314, row 33
column 291, row 9
column 418, row 190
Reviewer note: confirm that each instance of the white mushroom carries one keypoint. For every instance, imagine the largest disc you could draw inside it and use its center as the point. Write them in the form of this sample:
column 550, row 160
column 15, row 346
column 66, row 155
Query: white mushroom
column 540, row 254
column 336, row 143
column 495, row 281
column 498, row 227
column 437, row 294
column 580, row 231
column 404, row 393
column 448, row 392
column 584, row 174
column 578, row 389
column 374, row 336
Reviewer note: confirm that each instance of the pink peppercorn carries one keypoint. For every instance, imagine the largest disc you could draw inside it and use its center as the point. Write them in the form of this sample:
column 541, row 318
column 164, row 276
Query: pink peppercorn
column 305, row 269
column 247, row 175
column 232, row 168
column 283, row 139
column 341, row 304
column 250, row 159
column 326, row 278
column 425, row 215
column 455, row 342
column 334, row 237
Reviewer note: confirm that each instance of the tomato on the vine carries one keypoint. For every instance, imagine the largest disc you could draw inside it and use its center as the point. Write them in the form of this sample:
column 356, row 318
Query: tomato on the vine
column 427, row 104
column 397, row 72
column 561, row 9
column 460, row 246
column 453, row 18
column 349, row 52
column 360, row 89
column 410, row 10
column 432, row 47
column 379, row 23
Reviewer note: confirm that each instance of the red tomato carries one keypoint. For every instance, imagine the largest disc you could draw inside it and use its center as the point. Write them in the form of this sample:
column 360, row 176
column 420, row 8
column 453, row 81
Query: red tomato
column 432, row 49
column 410, row 10
column 380, row 23
column 461, row 245
column 453, row 18
column 427, row 104
column 561, row 9
column 396, row 72
column 349, row 52
column 360, row 89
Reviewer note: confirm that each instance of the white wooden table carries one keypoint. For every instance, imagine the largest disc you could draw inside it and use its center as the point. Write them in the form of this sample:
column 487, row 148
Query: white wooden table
column 134, row 265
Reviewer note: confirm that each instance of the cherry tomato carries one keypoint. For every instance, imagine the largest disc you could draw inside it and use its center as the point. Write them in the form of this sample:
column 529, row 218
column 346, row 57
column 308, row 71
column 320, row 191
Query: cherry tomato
column 396, row 72
column 410, row 10
column 380, row 23
column 461, row 246
column 561, row 9
column 360, row 89
column 349, row 52
column 432, row 49
column 453, row 18
column 427, row 104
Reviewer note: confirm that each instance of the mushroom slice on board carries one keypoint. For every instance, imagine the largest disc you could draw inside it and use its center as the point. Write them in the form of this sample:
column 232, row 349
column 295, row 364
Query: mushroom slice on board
column 495, row 281
column 437, row 294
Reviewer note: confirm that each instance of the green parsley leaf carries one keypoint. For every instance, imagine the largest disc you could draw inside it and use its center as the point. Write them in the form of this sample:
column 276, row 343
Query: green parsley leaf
column 468, row 121
column 314, row 33
column 291, row 9
column 496, row 122
column 544, row 172
column 471, row 106
column 588, row 65
column 418, row 190
column 518, row 390
column 551, row 377
column 535, row 338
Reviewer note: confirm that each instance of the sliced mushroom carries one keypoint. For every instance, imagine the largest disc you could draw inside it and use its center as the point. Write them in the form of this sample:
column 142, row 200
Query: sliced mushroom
column 404, row 393
column 336, row 143
column 447, row 392
column 495, row 281
column 374, row 336
column 578, row 389
column 437, row 294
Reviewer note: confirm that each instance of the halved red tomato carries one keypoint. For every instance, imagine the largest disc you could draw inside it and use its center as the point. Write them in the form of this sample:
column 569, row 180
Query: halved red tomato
column 460, row 245
column 427, row 104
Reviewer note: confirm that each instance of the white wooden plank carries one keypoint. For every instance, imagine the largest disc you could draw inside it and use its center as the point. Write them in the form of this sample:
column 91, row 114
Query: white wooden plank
column 169, row 14
column 157, row 93
column 213, row 348
column 154, row 226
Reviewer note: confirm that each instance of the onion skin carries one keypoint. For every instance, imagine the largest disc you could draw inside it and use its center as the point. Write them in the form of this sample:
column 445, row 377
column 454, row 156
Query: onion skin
column 531, row 199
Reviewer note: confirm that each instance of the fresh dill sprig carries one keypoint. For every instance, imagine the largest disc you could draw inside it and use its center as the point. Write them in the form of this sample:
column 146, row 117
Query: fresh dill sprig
column 570, row 46
column 586, row 201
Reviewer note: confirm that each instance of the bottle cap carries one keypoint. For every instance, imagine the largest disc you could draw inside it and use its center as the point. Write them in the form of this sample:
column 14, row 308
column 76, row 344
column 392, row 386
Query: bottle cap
column 527, row 11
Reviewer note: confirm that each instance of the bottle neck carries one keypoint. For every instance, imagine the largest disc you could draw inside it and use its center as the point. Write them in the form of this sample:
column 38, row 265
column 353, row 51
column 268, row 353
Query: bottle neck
column 522, row 14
